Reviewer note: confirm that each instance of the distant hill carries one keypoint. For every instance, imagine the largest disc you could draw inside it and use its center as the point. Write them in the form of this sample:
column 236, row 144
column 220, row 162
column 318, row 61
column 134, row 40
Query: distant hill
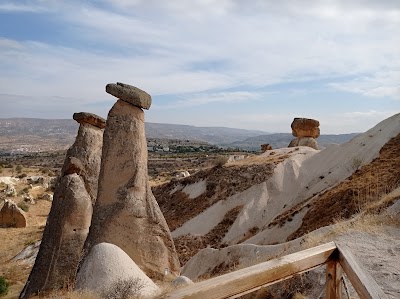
column 32, row 134
column 279, row 140
column 213, row 135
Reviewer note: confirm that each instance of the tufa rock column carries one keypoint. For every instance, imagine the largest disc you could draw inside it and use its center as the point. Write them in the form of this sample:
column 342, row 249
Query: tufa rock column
column 306, row 130
column 126, row 213
column 71, row 212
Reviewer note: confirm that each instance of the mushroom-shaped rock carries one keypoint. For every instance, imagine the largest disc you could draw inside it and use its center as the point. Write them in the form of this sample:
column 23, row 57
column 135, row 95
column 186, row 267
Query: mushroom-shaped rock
column 108, row 265
column 89, row 118
column 305, row 127
column 126, row 213
column 70, row 215
column 11, row 215
column 130, row 94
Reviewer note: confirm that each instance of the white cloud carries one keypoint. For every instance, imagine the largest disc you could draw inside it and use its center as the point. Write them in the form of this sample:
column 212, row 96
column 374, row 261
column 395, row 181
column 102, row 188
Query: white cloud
column 19, row 7
column 208, row 98
column 381, row 84
column 193, row 51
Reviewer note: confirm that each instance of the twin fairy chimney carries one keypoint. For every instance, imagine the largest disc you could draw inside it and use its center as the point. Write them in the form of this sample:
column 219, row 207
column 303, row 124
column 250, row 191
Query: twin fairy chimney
column 306, row 130
column 104, row 174
column 71, row 212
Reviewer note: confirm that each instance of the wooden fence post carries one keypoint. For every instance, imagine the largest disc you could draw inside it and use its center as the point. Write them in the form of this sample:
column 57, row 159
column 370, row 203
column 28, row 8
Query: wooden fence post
column 333, row 280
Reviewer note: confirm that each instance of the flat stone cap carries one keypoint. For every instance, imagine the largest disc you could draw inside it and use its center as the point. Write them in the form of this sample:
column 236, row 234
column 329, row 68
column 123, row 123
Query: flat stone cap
column 305, row 127
column 301, row 121
column 90, row 118
column 130, row 94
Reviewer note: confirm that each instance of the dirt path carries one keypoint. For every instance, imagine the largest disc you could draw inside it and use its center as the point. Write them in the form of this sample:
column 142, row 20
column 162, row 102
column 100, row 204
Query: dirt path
column 379, row 254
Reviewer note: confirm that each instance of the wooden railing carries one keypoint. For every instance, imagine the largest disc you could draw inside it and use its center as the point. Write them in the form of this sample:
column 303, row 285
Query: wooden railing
column 337, row 259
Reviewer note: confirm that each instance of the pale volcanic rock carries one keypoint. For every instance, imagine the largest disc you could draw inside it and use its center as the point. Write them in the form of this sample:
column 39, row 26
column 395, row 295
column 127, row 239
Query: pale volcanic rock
column 70, row 215
column 63, row 238
column 304, row 141
column 73, row 165
column 126, row 213
column 84, row 156
column 305, row 127
column 130, row 94
column 90, row 118
column 106, row 265
column 11, row 215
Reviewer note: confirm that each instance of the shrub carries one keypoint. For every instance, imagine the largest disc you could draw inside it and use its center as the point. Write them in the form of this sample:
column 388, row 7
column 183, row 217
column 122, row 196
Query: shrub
column 356, row 163
column 18, row 168
column 123, row 289
column 220, row 161
column 3, row 286
column 23, row 206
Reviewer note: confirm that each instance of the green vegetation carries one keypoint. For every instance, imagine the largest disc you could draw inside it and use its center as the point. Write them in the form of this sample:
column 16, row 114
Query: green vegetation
column 23, row 206
column 18, row 168
column 356, row 163
column 3, row 286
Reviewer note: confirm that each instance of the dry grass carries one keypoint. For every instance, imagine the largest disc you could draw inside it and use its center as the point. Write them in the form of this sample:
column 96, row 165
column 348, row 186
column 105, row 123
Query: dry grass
column 13, row 240
column 222, row 182
column 371, row 223
column 365, row 188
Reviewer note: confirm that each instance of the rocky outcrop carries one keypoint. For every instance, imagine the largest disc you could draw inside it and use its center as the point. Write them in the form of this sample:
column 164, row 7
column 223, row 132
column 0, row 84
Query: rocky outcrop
column 304, row 141
column 84, row 156
column 305, row 127
column 107, row 266
column 306, row 130
column 126, row 213
column 266, row 147
column 71, row 212
column 10, row 190
column 11, row 215
column 90, row 118
column 181, row 281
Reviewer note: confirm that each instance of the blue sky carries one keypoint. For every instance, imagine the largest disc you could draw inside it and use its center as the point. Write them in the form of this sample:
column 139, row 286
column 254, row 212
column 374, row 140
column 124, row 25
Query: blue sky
column 245, row 64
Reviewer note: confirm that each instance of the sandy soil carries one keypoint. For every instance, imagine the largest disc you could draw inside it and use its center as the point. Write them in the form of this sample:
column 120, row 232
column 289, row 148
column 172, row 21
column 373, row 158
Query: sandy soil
column 379, row 254
column 13, row 240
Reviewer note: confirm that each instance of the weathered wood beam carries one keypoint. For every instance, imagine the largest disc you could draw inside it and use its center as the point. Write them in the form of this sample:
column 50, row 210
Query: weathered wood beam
column 361, row 280
column 240, row 281
column 333, row 280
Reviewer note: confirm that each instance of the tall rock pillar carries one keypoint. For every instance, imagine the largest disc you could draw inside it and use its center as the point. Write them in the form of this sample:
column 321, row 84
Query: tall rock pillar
column 126, row 213
column 71, row 212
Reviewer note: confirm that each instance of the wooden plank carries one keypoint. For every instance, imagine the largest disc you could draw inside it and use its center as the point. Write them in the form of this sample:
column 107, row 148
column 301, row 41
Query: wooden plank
column 271, row 283
column 240, row 281
column 333, row 280
column 361, row 280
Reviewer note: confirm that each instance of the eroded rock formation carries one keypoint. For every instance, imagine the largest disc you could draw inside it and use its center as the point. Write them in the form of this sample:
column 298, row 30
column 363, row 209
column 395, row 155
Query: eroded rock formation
column 71, row 212
column 11, row 215
column 305, row 127
column 106, row 266
column 126, row 213
column 266, row 147
column 306, row 130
